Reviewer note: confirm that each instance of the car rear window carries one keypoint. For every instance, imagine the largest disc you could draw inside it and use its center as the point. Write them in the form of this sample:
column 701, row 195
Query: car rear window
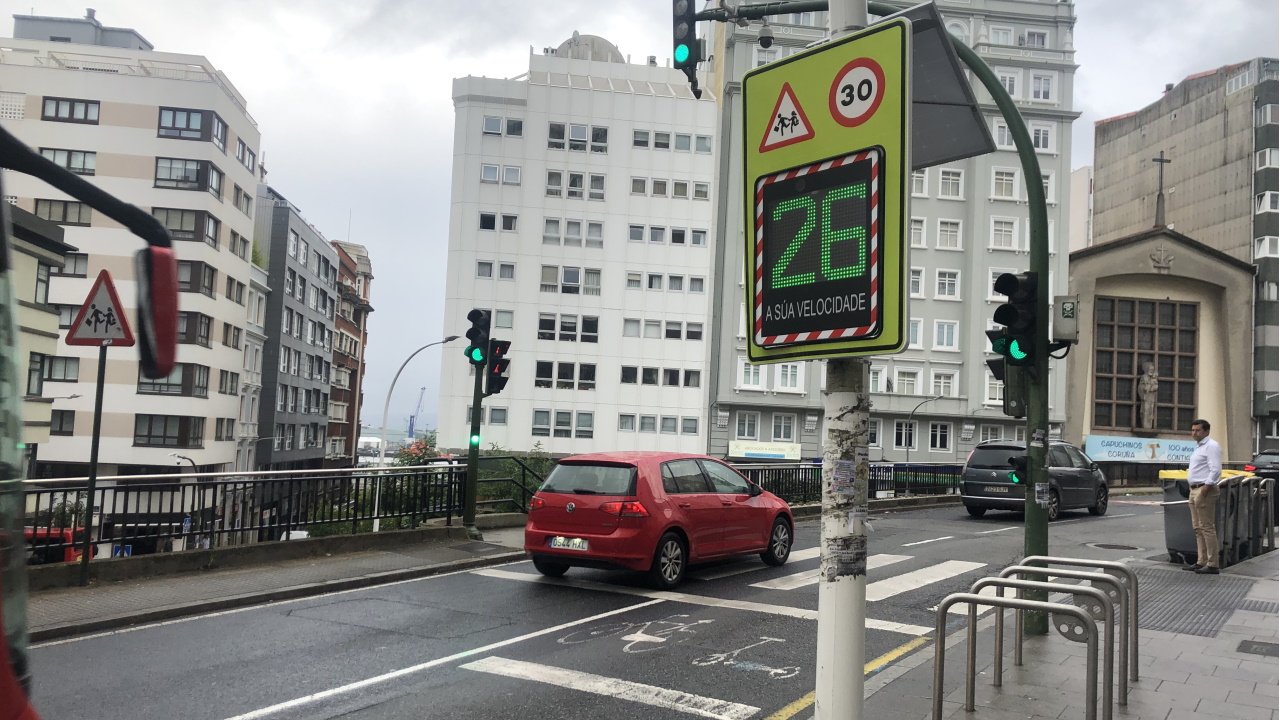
column 591, row 480
column 993, row 457
column 1264, row 459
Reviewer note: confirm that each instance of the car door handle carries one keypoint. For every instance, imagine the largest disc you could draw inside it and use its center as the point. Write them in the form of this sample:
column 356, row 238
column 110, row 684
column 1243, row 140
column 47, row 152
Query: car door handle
column 686, row 506
column 727, row 503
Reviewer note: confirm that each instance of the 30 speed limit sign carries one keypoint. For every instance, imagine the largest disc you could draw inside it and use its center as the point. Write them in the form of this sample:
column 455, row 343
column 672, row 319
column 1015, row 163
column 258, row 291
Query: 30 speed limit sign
column 857, row 91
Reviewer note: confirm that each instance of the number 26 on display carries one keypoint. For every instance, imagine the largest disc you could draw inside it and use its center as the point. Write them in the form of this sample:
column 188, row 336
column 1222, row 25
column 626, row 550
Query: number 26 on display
column 819, row 212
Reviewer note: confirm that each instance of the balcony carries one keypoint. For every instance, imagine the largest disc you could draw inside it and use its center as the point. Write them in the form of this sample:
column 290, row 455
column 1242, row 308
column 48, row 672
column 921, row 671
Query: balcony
column 247, row 431
column 251, row 378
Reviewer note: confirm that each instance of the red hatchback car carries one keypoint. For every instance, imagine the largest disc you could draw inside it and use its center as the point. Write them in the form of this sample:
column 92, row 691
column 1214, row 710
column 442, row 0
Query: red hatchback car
column 652, row 511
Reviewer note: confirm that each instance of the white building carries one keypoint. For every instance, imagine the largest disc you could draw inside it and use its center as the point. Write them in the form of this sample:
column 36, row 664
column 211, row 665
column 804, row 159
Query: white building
column 582, row 217
column 168, row 133
column 255, row 339
column 968, row 224
column 1081, row 219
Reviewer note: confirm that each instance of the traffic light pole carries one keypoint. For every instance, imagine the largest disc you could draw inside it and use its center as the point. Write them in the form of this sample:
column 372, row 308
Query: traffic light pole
column 473, row 459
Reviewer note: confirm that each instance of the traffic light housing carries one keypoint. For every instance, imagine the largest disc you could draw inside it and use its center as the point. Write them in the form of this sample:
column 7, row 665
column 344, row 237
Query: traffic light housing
column 1021, row 473
column 1020, row 316
column 1014, row 378
column 496, row 371
column 686, row 52
column 478, row 351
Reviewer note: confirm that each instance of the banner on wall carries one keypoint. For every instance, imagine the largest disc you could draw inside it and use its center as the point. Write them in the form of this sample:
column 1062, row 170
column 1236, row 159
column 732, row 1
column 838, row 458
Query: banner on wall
column 764, row 450
column 1112, row 448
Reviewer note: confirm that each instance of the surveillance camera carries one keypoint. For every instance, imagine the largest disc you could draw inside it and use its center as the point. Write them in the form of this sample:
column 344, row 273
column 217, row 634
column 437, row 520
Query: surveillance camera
column 766, row 37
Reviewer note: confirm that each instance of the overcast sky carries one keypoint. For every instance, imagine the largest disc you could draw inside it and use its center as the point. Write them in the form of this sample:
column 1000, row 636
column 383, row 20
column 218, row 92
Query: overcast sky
column 353, row 101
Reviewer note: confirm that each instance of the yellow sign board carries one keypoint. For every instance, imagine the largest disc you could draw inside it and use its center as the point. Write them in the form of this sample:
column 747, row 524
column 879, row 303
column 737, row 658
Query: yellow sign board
column 826, row 171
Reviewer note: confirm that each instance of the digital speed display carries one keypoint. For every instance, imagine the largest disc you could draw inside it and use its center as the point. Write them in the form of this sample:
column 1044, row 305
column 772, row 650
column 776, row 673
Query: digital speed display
column 817, row 245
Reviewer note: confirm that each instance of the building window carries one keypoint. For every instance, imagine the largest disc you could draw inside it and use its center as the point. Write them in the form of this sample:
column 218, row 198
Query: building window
column 1003, row 136
column 506, row 271
column 76, row 265
column 510, row 175
column 555, row 136
column 1267, row 115
column 944, row 384
column 42, row 283
column 1041, row 87
column 489, row 173
column 79, row 162
column 489, row 221
column 578, row 138
column 564, row 420
column 684, row 143
column 917, row 282
column 1036, row 39
column 1268, row 158
column 626, row 423
column 246, row 156
column 193, row 328
column 945, row 334
column 35, row 375
column 701, row 191
column 670, row 377
column 1009, row 79
column 1268, row 246
column 904, row 435
column 484, row 269
column 491, row 125
column 63, row 422
column 688, row 426
column 748, row 424
column 186, row 380
column 789, row 378
column 913, row 334
column 649, row 376
column 917, row 232
column 995, row 390
column 168, row 431
column 951, row 184
column 693, row 331
column 949, row 237
column 634, row 280
column 749, row 375
column 1268, row 201
column 873, row 433
column 876, row 380
column 640, row 139
column 177, row 173
column 702, row 144
column 698, row 238
column 948, row 284
column 692, row 378
column 940, row 437
column 1004, row 233
column 919, row 183
column 597, row 188
column 599, row 139
column 1145, row 360
column 1004, row 184
column 987, row 433
column 907, row 381
column 64, row 212
column 784, row 428
column 70, row 110
column 1042, row 137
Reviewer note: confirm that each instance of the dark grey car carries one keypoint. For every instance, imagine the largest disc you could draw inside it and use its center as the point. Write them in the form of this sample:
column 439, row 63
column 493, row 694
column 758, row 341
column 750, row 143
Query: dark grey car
column 1075, row 481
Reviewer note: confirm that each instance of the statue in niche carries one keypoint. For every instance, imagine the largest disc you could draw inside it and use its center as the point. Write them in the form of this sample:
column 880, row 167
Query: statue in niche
column 1148, row 388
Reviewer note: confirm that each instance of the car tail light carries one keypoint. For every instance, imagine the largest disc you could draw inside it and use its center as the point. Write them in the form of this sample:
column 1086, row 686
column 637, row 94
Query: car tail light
column 969, row 457
column 537, row 503
column 1250, row 468
column 625, row 508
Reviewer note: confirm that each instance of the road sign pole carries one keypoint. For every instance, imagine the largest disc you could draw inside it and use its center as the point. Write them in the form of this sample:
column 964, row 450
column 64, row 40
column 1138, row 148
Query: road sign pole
column 86, row 549
column 473, row 459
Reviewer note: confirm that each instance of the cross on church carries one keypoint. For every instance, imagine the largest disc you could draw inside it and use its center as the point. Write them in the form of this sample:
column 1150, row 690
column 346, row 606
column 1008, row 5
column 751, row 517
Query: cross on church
column 1160, row 163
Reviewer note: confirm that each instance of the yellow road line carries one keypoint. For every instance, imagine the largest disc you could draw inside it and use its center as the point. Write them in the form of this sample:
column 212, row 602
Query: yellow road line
column 800, row 704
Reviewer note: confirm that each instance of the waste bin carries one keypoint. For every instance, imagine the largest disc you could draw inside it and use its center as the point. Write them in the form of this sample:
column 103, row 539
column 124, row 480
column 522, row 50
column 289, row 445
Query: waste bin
column 1179, row 537
column 1241, row 547
column 1262, row 535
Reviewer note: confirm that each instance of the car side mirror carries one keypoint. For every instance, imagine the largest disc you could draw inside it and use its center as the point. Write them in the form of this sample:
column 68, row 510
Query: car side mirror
column 756, row 490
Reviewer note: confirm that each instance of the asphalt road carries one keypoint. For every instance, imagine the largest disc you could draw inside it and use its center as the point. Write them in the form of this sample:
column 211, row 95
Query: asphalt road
column 736, row 642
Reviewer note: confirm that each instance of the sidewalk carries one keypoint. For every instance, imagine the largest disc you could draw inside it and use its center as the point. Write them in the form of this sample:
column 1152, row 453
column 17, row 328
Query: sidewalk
column 1207, row 652
column 60, row 613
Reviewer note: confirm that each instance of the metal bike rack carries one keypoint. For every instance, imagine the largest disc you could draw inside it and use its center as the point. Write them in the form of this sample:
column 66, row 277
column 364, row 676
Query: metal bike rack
column 1103, row 605
column 1121, row 568
column 1127, row 619
column 940, row 644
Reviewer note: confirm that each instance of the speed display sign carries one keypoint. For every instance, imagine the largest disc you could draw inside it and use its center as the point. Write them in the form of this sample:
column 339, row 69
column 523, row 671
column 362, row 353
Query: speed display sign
column 826, row 171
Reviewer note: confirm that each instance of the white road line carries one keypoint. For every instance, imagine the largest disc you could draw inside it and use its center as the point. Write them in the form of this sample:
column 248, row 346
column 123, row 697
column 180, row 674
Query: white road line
column 613, row 687
column 925, row 542
column 963, row 608
column 316, row 697
column 887, row 588
column 233, row 611
column 784, row 610
column 751, row 566
column 810, row 577
column 988, row 532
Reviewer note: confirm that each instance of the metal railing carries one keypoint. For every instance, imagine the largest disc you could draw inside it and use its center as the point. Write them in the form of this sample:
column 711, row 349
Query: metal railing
column 802, row 482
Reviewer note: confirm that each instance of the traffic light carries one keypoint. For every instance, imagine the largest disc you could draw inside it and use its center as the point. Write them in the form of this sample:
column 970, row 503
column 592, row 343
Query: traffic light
column 685, row 50
column 478, row 351
column 1014, row 377
column 1020, row 472
column 496, row 372
column 1020, row 316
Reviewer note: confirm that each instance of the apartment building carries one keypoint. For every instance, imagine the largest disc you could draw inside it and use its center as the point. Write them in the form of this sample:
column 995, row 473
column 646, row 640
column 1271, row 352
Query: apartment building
column 296, row 358
column 968, row 224
column 1219, row 132
column 255, row 342
column 170, row 134
column 351, row 335
column 581, row 217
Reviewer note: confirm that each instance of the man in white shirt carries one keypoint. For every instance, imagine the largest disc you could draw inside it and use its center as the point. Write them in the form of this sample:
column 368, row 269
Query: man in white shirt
column 1203, row 473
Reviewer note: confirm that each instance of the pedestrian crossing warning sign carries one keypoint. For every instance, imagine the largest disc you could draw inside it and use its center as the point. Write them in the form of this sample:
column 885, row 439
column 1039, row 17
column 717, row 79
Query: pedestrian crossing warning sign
column 101, row 320
column 788, row 124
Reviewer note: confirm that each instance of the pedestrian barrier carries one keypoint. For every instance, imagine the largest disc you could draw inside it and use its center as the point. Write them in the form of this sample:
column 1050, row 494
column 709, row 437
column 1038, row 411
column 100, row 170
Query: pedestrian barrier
column 1114, row 592
column 1062, row 609
column 1096, row 603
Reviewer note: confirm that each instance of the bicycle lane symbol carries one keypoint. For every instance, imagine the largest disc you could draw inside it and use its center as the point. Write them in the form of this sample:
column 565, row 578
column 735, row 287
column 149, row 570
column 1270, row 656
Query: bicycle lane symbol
column 731, row 659
column 641, row 636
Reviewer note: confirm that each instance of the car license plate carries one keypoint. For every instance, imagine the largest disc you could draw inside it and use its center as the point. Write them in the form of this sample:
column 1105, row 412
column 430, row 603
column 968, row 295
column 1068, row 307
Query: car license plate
column 996, row 489
column 568, row 543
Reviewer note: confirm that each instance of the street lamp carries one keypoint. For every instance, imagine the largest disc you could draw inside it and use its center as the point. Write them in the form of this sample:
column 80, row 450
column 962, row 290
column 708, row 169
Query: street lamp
column 913, row 432
column 184, row 457
column 386, row 410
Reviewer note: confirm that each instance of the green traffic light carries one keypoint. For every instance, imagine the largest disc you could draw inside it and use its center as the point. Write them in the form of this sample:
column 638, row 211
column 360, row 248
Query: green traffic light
column 475, row 439
column 1013, row 477
column 1016, row 352
column 682, row 53
column 1000, row 345
column 476, row 354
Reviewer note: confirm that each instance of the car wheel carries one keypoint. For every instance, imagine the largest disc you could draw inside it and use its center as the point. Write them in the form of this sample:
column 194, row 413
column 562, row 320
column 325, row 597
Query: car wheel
column 550, row 569
column 669, row 562
column 779, row 543
column 1055, row 506
column 976, row 511
column 1100, row 507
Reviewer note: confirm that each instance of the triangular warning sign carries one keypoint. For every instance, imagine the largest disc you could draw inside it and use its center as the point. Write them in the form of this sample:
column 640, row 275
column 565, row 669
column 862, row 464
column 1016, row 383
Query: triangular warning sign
column 101, row 320
column 788, row 124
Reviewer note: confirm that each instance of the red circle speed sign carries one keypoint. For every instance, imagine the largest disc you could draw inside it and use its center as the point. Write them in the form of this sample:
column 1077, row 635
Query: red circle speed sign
column 856, row 92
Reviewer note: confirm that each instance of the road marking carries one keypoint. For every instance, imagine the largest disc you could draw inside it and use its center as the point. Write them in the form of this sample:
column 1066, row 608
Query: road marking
column 315, row 697
column 1095, row 519
column 874, row 666
column 898, row 584
column 785, row 610
column 963, row 608
column 233, row 611
column 613, row 687
column 988, row 532
column 925, row 542
column 810, row 577
column 749, row 566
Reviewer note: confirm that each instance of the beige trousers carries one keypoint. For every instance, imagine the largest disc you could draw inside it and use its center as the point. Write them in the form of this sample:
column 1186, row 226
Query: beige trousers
column 1204, row 507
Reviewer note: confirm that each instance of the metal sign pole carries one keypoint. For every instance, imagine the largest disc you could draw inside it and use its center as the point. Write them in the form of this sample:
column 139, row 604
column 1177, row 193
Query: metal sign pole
column 87, row 547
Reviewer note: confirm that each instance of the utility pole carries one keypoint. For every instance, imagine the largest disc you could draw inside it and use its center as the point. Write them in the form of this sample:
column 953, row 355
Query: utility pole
column 473, row 459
